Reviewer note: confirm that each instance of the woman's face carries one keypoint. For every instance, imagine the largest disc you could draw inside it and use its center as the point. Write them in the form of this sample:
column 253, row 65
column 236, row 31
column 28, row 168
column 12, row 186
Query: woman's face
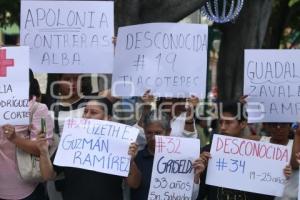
column 69, row 85
column 94, row 110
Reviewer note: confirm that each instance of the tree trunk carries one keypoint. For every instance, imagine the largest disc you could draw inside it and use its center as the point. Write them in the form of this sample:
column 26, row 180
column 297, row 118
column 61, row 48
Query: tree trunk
column 130, row 12
column 168, row 10
column 277, row 24
column 247, row 32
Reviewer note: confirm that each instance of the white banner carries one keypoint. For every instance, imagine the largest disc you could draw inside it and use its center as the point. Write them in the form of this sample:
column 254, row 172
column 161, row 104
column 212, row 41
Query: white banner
column 168, row 58
column 172, row 173
column 14, row 85
column 272, row 81
column 68, row 36
column 96, row 145
column 254, row 166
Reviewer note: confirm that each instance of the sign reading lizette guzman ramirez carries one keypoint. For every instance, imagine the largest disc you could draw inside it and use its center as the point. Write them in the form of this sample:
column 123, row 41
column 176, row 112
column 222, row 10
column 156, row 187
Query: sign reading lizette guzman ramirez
column 14, row 85
column 172, row 173
column 247, row 165
column 68, row 36
column 168, row 58
column 101, row 146
column 272, row 83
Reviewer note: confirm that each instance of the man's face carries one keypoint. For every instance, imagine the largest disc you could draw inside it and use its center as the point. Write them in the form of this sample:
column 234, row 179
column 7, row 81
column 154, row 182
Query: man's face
column 230, row 126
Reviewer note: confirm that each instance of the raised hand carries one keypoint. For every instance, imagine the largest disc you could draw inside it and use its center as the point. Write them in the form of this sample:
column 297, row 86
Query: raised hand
column 148, row 97
column 287, row 171
column 200, row 165
column 133, row 150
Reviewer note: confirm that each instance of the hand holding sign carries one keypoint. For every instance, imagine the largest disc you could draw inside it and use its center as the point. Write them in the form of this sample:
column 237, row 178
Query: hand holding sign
column 287, row 171
column 147, row 97
column 200, row 165
column 9, row 131
column 133, row 150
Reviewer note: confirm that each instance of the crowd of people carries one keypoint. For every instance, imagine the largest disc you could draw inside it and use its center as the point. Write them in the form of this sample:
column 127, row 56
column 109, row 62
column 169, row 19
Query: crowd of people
column 177, row 117
column 158, row 116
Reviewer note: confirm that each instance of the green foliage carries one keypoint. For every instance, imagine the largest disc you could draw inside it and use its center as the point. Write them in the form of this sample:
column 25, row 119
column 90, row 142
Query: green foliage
column 9, row 12
column 294, row 19
column 293, row 38
column 293, row 2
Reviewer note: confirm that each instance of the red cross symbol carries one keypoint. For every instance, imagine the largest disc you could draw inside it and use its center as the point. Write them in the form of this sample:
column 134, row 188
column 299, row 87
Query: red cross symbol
column 4, row 63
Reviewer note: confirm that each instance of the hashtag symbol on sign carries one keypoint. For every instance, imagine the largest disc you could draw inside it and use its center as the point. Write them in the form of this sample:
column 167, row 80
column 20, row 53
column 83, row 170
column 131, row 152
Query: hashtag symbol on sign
column 139, row 63
column 71, row 123
column 221, row 164
column 160, row 144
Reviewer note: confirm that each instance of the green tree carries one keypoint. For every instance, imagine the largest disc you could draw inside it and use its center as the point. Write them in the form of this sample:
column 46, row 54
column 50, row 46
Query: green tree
column 285, row 14
column 247, row 32
column 9, row 12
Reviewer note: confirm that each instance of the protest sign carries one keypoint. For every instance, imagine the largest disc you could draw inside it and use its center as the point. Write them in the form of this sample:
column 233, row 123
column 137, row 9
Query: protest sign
column 272, row 81
column 68, row 36
column 168, row 58
column 247, row 165
column 96, row 145
column 14, row 85
column 172, row 173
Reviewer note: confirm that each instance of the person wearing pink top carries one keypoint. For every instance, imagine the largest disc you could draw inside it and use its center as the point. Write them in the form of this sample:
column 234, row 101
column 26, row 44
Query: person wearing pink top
column 12, row 187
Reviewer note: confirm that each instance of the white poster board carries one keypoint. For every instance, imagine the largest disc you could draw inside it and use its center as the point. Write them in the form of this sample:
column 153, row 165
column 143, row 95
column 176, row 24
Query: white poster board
column 254, row 166
column 272, row 81
column 100, row 146
column 68, row 36
column 14, row 85
column 168, row 58
column 172, row 165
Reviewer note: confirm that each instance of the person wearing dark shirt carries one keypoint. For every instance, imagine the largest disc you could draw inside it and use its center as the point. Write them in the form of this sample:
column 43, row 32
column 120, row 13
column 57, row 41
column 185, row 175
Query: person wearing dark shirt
column 85, row 184
column 232, row 121
column 156, row 123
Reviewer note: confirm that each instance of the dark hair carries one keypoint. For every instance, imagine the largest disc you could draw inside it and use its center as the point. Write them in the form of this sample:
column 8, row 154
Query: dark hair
column 235, row 108
column 157, row 116
column 34, row 87
column 106, row 103
column 160, row 100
